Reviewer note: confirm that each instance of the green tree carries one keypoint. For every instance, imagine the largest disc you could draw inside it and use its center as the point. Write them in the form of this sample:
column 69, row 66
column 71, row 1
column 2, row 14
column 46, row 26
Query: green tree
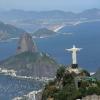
column 60, row 73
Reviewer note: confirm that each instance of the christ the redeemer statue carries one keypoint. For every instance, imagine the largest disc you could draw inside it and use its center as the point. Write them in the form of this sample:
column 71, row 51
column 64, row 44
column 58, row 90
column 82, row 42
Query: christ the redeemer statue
column 74, row 56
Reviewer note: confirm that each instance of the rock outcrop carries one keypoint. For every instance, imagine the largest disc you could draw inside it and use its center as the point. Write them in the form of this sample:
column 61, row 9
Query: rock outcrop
column 26, row 44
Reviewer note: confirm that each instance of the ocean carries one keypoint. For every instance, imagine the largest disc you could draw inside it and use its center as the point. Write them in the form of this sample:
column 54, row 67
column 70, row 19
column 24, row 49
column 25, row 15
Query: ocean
column 88, row 57
column 11, row 87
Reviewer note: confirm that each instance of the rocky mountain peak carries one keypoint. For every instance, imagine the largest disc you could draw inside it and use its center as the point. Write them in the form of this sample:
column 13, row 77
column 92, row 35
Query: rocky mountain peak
column 26, row 44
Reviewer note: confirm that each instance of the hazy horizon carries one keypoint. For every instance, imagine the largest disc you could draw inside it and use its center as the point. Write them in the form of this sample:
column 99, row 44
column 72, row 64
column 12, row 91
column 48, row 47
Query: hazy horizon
column 47, row 5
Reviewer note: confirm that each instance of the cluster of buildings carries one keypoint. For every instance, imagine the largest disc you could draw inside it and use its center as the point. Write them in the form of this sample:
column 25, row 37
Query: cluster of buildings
column 8, row 72
column 34, row 95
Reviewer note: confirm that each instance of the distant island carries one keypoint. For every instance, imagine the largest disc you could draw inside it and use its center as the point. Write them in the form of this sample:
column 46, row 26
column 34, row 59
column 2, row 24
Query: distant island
column 44, row 32
column 8, row 31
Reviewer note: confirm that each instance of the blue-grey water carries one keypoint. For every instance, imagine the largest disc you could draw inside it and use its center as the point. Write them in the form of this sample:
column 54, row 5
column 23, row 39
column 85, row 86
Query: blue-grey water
column 11, row 87
column 88, row 57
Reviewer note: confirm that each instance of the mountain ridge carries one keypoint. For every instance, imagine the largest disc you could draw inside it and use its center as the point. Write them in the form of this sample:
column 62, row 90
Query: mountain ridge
column 34, row 20
column 9, row 31
column 55, row 13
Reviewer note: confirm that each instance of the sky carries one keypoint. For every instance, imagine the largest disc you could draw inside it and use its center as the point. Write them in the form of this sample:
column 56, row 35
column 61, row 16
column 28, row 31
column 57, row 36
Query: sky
column 45, row 5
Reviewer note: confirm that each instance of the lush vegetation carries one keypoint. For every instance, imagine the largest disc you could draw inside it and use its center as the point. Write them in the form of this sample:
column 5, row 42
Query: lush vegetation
column 65, row 88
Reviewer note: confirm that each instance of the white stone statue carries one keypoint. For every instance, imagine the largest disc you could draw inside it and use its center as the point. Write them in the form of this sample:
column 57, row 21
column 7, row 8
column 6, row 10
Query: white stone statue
column 74, row 52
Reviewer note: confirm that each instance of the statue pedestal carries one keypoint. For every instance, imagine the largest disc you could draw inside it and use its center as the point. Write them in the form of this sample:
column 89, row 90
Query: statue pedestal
column 74, row 65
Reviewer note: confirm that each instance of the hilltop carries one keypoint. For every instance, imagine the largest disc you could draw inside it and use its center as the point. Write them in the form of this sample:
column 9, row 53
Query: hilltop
column 9, row 31
column 26, row 44
column 44, row 33
column 71, row 86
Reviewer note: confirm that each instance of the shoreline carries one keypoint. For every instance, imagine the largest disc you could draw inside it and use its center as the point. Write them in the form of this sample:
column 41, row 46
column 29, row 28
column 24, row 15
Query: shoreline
column 33, row 95
column 12, row 73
